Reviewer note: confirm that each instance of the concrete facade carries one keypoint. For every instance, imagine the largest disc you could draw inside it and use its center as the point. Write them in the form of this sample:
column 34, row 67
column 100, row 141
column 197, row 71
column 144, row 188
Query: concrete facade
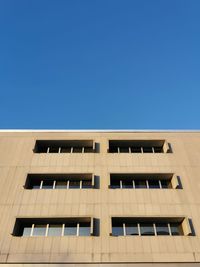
column 17, row 159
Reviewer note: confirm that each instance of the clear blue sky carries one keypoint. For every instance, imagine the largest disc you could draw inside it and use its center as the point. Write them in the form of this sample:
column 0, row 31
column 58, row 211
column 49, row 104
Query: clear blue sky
column 87, row 64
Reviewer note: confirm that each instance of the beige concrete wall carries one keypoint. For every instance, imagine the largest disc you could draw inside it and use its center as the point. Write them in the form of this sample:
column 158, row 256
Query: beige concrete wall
column 17, row 159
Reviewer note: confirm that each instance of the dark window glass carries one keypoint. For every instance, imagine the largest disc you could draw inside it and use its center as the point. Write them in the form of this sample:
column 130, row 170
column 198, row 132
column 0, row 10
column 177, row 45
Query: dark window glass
column 115, row 183
column 140, row 184
column 55, row 230
column 53, row 149
column 70, row 229
column 74, row 184
column 176, row 229
column 61, row 185
column 127, row 183
column 124, row 150
column 136, row 149
column 77, row 150
column 39, row 230
column 47, row 184
column 158, row 149
column 84, row 229
column 36, row 185
column 117, row 229
column 147, row 149
column 131, row 229
column 41, row 149
column 113, row 149
column 86, row 183
column 154, row 184
column 162, row 229
column 165, row 184
column 146, row 229
column 65, row 150
column 27, row 230
column 88, row 149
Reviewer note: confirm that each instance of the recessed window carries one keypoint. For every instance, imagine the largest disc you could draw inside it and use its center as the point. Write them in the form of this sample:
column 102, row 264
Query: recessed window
column 53, row 227
column 39, row 230
column 27, row 230
column 47, row 184
column 74, row 184
column 153, row 183
column 146, row 229
column 117, row 228
column 70, row 229
column 61, row 184
column 176, row 229
column 64, row 146
column 149, row 226
column 144, row 181
column 140, row 184
column 162, row 228
column 138, row 146
column 59, row 181
column 131, row 229
column 84, row 229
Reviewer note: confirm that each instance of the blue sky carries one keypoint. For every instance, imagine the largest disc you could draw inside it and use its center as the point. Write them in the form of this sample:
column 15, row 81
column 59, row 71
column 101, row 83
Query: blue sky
column 106, row 64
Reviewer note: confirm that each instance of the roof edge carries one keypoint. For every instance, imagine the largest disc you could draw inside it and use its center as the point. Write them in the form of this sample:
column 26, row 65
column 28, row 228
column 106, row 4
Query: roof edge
column 100, row 130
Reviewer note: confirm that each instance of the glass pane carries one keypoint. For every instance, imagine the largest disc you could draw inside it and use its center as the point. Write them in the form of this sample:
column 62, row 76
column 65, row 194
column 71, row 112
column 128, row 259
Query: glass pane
column 86, row 183
column 113, row 149
column 65, row 150
column 27, row 231
column 162, row 229
column 36, row 185
column 77, row 150
column 88, row 150
column 176, row 229
column 157, row 149
column 117, row 229
column 61, row 185
column 70, row 229
column 147, row 150
column 165, row 184
column 127, row 183
column 154, row 184
column 146, row 229
column 42, row 149
column 74, row 184
column 124, row 150
column 140, row 184
column 131, row 229
column 39, row 230
column 136, row 149
column 115, row 183
column 53, row 149
column 84, row 229
column 55, row 230
column 47, row 184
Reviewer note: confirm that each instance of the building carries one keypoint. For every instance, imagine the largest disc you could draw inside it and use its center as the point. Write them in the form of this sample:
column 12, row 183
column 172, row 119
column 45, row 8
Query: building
column 102, row 198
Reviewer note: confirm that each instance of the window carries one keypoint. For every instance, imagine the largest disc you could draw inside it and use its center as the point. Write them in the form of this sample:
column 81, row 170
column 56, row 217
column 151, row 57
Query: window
column 144, row 181
column 117, row 228
column 138, row 146
column 131, row 229
column 59, row 181
column 64, row 146
column 162, row 229
column 53, row 227
column 39, row 229
column 149, row 226
column 146, row 229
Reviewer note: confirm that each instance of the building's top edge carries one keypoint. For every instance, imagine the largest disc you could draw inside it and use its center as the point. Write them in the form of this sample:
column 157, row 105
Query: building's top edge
column 97, row 131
